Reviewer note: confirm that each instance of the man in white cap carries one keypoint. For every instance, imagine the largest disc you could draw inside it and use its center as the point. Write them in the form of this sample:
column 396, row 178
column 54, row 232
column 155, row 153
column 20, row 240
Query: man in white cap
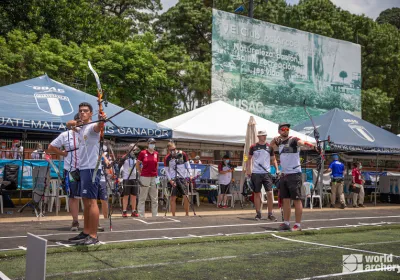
column 262, row 155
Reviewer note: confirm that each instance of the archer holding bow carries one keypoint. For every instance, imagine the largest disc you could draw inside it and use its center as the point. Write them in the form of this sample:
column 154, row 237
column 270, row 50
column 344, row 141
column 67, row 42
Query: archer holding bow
column 288, row 148
column 89, row 145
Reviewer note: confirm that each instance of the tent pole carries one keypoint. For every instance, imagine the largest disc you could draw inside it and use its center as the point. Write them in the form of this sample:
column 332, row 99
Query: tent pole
column 376, row 178
column 24, row 135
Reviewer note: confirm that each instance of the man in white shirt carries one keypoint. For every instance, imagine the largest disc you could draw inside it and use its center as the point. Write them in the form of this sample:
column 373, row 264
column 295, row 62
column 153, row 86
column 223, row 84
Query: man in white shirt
column 67, row 145
column 89, row 147
column 177, row 169
column 130, row 183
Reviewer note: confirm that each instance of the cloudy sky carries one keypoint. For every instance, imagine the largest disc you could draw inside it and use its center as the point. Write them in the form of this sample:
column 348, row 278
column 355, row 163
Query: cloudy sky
column 371, row 8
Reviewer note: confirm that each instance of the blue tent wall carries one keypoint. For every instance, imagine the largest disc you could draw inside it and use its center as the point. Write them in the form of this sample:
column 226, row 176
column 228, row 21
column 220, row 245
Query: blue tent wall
column 42, row 104
column 350, row 133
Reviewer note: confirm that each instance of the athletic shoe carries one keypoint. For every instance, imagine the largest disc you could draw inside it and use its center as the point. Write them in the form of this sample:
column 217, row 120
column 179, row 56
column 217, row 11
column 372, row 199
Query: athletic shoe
column 124, row 214
column 100, row 228
column 134, row 214
column 89, row 241
column 332, row 206
column 75, row 226
column 225, row 206
column 361, row 205
column 296, row 228
column 342, row 206
column 356, row 206
column 79, row 237
column 219, row 206
column 258, row 216
column 284, row 226
column 272, row 218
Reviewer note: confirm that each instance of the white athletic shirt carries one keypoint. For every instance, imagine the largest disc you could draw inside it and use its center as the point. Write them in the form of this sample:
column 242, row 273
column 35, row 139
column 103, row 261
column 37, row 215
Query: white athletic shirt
column 128, row 165
column 261, row 155
column 289, row 152
column 182, row 169
column 88, row 147
column 70, row 140
column 224, row 179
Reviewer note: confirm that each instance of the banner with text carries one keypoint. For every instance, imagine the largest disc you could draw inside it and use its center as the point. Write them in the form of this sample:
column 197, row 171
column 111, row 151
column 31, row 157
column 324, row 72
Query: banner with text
column 269, row 69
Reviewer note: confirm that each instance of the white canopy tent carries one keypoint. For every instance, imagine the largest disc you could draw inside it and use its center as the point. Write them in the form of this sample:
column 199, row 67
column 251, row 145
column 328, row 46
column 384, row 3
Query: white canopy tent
column 220, row 122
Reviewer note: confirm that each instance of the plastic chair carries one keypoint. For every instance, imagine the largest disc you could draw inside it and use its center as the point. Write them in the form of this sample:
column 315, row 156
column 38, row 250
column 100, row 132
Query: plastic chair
column 54, row 184
column 377, row 192
column 306, row 192
column 264, row 199
column 229, row 195
column 315, row 196
column 191, row 192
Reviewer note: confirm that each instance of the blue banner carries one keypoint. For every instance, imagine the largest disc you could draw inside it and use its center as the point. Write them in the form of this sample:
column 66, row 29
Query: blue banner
column 27, row 182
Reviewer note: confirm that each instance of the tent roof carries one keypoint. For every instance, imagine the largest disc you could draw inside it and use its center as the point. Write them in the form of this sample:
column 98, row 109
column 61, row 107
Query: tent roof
column 221, row 122
column 43, row 104
column 350, row 133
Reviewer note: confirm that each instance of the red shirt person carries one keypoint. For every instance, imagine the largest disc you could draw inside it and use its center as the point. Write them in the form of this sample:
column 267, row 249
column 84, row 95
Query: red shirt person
column 358, row 188
column 147, row 168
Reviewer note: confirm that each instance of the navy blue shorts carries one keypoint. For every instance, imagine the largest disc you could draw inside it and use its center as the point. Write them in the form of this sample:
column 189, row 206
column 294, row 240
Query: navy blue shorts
column 88, row 189
column 73, row 188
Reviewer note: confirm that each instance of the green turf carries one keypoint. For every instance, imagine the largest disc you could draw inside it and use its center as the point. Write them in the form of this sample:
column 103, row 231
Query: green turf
column 239, row 257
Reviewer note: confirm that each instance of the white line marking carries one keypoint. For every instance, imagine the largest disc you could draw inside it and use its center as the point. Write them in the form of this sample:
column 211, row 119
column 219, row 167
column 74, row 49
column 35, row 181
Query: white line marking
column 174, row 220
column 142, row 265
column 205, row 227
column 166, row 237
column 330, row 246
column 3, row 276
column 22, row 248
column 152, row 223
column 339, row 274
column 62, row 244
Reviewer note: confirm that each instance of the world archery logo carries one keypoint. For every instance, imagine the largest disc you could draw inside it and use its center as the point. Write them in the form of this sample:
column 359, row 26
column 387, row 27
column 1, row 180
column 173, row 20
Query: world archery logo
column 52, row 103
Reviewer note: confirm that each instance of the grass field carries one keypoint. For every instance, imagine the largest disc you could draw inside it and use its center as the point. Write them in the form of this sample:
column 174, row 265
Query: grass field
column 261, row 256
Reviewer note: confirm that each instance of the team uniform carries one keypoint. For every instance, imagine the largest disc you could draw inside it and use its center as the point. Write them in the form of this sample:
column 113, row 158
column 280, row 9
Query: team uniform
column 70, row 141
column 88, row 156
column 129, row 176
column 358, row 191
column 261, row 176
column 177, row 170
column 291, row 181
column 224, row 179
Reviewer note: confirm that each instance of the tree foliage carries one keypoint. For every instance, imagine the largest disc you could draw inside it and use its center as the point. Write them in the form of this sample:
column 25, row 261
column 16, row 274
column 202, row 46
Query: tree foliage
column 165, row 60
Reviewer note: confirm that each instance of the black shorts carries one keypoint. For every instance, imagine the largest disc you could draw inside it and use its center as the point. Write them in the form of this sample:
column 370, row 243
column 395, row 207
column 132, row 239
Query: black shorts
column 290, row 186
column 180, row 189
column 131, row 187
column 260, row 180
column 225, row 189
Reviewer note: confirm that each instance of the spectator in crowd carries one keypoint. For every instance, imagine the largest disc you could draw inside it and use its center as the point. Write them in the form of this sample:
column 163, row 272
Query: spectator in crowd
column 17, row 149
column 358, row 185
column 147, row 168
column 38, row 153
column 337, row 178
column 197, row 160
column 4, row 154
column 225, row 170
